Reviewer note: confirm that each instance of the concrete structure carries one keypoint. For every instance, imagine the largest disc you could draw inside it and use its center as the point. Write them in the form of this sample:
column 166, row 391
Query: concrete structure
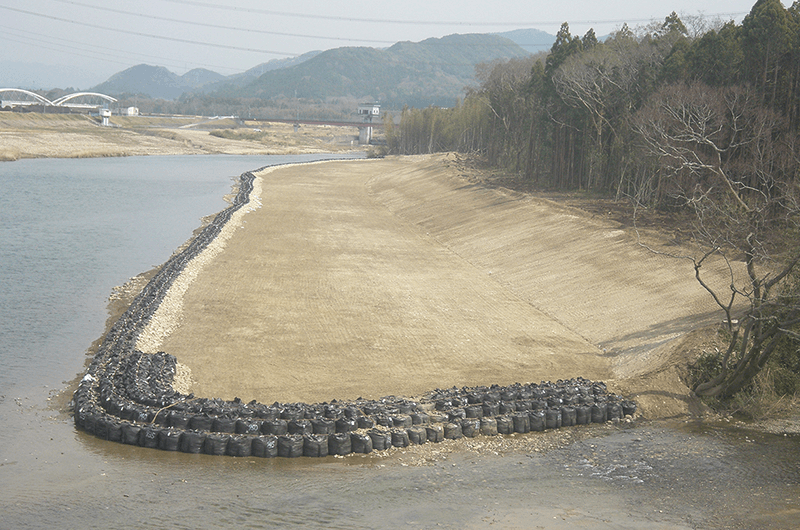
column 105, row 114
column 367, row 111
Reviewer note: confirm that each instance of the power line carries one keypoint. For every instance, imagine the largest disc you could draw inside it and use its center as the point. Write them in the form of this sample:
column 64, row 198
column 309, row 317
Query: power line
column 150, row 35
column 220, row 26
column 426, row 22
column 29, row 37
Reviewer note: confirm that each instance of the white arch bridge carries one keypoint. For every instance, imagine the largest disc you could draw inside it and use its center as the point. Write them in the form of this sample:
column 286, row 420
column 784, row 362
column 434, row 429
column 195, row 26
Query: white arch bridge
column 18, row 97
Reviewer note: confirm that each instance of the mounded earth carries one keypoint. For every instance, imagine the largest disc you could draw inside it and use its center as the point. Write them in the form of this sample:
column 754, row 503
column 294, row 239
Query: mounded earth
column 397, row 276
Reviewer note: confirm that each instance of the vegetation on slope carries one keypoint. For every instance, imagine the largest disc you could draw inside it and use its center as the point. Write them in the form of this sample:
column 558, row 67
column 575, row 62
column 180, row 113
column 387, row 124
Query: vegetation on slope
column 704, row 121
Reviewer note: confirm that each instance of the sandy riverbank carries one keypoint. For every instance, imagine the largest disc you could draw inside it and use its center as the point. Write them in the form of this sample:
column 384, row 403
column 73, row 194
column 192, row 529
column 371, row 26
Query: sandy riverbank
column 31, row 135
column 398, row 276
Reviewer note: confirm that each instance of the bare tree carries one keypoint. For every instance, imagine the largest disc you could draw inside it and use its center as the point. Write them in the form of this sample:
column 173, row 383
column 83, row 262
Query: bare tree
column 735, row 165
column 605, row 80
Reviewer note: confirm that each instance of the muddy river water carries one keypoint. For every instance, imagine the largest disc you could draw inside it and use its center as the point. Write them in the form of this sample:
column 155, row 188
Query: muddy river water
column 58, row 269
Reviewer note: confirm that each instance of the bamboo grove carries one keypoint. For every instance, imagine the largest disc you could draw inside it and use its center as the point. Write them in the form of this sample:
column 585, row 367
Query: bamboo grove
column 571, row 119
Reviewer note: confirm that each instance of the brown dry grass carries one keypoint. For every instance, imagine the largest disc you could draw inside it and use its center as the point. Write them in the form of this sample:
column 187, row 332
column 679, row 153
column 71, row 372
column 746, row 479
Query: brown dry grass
column 398, row 276
column 32, row 135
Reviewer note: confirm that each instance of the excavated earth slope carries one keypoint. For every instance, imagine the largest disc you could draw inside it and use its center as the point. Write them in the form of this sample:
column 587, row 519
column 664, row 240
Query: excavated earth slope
column 399, row 276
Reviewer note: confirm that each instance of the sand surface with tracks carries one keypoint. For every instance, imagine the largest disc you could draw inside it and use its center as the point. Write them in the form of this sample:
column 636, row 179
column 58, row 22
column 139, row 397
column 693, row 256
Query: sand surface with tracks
column 397, row 276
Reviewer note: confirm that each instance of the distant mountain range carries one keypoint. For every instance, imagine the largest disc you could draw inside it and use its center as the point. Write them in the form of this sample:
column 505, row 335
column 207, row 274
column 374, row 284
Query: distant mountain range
column 431, row 72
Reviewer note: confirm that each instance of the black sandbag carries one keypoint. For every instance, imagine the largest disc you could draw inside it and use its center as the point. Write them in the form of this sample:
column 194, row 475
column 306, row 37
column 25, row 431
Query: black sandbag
column 268, row 413
column 434, row 433
column 315, row 445
column 583, row 415
column 201, row 422
column 144, row 416
column 491, row 408
column 85, row 419
column 161, row 418
column 352, row 413
column 537, row 420
column 365, row 422
column 323, row 426
column 290, row 446
column 346, row 425
column 265, row 446
column 522, row 422
column 169, row 439
column 240, row 445
column 400, row 438
column 629, row 408
column 599, row 413
column 505, row 425
column 538, row 404
column 474, row 411
column 381, row 440
column 552, row 418
column 292, row 413
column 115, row 431
column 568, row 416
column 248, row 426
column 471, row 427
column 130, row 434
column 148, row 437
column 509, row 394
column 523, row 405
column 507, row 407
column 417, row 435
column 360, row 443
column 406, row 407
column 179, row 420
column 192, row 442
column 443, row 404
column 437, row 417
column 373, row 408
column 101, row 426
column 300, row 427
column 475, row 397
column 216, row 444
column 419, row 418
column 614, row 411
column 455, row 415
column 402, row 421
column 384, row 420
column 488, row 426
column 276, row 427
column 224, row 425
column 339, row 444
column 452, row 431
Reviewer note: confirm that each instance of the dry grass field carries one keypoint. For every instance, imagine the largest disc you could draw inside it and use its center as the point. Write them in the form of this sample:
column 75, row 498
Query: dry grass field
column 399, row 276
column 32, row 135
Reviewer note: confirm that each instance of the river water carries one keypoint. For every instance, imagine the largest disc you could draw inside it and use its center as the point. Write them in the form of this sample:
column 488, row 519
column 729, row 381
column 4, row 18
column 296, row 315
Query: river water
column 71, row 230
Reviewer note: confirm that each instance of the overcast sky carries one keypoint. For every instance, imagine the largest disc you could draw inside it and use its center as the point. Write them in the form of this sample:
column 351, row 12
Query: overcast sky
column 230, row 36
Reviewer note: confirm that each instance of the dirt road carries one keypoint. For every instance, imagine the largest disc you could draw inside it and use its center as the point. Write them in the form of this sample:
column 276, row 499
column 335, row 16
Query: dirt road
column 398, row 276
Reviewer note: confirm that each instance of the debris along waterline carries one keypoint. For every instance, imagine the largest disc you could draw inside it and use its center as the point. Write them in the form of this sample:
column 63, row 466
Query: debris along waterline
column 127, row 396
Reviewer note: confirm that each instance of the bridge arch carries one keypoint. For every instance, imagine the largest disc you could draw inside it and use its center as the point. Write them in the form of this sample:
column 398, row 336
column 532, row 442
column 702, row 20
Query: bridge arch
column 39, row 99
column 60, row 102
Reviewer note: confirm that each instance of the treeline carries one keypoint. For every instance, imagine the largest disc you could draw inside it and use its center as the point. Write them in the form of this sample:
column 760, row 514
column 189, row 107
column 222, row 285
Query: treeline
column 597, row 115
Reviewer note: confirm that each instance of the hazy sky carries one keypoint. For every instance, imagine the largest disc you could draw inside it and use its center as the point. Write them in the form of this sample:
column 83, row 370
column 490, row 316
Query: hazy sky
column 229, row 36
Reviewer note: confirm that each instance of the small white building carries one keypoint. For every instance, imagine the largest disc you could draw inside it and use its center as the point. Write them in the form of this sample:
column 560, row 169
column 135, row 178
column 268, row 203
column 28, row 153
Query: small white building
column 132, row 111
column 369, row 111
column 105, row 114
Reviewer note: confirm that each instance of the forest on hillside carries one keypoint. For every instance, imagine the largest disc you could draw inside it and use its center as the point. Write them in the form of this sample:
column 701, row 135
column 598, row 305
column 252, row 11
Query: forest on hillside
column 700, row 119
